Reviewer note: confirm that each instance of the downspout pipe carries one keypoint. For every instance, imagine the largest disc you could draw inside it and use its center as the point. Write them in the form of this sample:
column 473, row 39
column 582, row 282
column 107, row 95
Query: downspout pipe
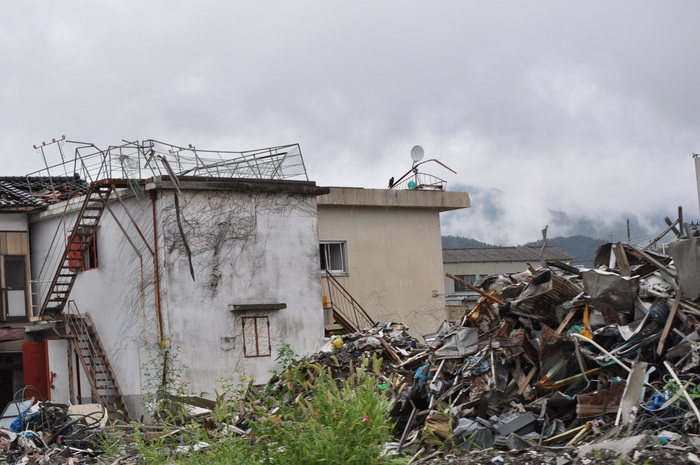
column 156, row 265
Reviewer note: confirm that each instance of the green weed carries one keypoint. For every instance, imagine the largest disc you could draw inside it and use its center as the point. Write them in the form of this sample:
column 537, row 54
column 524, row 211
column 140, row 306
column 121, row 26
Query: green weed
column 329, row 421
column 164, row 383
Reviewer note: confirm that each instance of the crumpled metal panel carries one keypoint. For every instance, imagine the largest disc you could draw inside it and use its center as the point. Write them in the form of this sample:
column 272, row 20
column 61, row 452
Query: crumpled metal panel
column 640, row 266
column 542, row 294
column 459, row 344
column 600, row 402
column 686, row 258
column 610, row 290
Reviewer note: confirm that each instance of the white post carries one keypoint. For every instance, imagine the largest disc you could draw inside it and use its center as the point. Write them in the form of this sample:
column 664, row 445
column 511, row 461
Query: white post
column 696, row 157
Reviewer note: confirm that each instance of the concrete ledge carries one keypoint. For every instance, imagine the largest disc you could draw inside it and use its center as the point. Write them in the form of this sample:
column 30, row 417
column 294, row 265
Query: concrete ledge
column 238, row 184
column 255, row 307
column 434, row 200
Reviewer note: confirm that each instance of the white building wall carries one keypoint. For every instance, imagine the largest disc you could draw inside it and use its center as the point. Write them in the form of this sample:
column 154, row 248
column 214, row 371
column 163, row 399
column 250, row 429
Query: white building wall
column 118, row 294
column 13, row 222
column 394, row 262
column 247, row 248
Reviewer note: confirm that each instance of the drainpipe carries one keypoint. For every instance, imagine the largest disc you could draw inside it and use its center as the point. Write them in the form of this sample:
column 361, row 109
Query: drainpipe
column 161, row 335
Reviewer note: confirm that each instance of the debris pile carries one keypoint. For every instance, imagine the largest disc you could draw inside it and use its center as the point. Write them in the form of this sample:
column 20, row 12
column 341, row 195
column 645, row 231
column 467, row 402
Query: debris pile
column 558, row 356
column 50, row 433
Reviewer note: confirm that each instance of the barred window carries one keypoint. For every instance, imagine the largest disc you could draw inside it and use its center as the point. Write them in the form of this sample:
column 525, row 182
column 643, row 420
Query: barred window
column 256, row 336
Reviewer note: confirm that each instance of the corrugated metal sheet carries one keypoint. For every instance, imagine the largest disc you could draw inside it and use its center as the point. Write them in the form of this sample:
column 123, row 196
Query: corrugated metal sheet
column 545, row 291
column 503, row 254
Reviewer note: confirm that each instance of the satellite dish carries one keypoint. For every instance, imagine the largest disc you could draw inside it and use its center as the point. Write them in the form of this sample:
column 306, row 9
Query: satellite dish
column 417, row 153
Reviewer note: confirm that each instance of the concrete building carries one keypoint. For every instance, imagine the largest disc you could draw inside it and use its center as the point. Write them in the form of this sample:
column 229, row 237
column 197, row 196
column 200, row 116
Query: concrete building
column 251, row 287
column 214, row 262
column 384, row 247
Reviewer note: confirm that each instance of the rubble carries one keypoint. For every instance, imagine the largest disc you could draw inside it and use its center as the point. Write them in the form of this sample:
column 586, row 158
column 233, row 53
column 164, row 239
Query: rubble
column 550, row 366
column 51, row 433
column 551, row 358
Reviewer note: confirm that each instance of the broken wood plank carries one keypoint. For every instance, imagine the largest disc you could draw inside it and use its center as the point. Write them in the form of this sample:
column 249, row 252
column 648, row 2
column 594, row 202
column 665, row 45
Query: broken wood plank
column 669, row 367
column 406, row 430
column 390, row 351
column 526, row 383
column 476, row 289
column 669, row 322
column 564, row 266
column 566, row 320
column 622, row 263
column 414, row 358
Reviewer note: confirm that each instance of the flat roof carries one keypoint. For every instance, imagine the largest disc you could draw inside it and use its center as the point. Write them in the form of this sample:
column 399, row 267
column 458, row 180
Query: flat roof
column 279, row 186
column 394, row 198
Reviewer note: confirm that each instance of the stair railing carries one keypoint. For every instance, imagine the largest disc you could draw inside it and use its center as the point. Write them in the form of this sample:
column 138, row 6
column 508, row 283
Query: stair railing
column 51, row 292
column 347, row 311
column 76, row 325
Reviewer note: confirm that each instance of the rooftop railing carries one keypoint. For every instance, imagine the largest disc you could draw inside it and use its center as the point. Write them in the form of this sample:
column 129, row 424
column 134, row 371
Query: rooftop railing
column 149, row 158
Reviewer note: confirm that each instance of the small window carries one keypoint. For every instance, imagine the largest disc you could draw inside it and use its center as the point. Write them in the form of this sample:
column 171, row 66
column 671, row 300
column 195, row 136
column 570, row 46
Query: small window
column 15, row 274
column 75, row 257
column 334, row 257
column 256, row 336
column 469, row 278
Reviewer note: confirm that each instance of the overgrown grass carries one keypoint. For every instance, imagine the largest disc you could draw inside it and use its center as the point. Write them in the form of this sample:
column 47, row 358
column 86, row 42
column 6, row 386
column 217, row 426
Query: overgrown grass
column 333, row 421
column 307, row 416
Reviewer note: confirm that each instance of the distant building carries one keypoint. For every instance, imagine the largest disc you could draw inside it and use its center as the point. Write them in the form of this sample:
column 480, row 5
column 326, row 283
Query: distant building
column 472, row 264
column 384, row 247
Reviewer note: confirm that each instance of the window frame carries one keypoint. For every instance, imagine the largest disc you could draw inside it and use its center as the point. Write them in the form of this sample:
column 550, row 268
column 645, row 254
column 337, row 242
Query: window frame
column 470, row 278
column 5, row 316
column 90, row 260
column 257, row 351
column 326, row 256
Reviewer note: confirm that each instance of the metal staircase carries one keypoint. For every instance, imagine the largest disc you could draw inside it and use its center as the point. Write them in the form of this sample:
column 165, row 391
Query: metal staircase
column 103, row 383
column 75, row 251
column 347, row 311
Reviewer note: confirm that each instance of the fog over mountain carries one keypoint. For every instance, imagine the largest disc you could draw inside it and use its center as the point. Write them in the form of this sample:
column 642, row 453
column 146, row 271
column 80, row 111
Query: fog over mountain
column 515, row 219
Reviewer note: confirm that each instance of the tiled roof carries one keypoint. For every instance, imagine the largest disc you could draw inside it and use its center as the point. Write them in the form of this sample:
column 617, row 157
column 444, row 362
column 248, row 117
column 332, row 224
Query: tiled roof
column 503, row 254
column 13, row 199
column 21, row 193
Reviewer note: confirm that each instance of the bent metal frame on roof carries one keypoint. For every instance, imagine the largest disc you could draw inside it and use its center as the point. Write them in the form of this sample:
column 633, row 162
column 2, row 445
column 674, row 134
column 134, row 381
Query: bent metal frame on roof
column 141, row 160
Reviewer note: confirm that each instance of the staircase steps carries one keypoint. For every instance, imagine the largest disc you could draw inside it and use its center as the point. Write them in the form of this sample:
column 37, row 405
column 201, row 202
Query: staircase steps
column 75, row 251
column 347, row 312
column 103, row 383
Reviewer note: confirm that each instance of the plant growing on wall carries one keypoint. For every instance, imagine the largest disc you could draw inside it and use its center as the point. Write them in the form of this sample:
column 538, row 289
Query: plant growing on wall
column 164, row 383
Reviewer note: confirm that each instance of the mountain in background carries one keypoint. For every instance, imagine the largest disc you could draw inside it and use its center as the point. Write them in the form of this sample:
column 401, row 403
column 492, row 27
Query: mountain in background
column 581, row 247
column 457, row 242
column 496, row 219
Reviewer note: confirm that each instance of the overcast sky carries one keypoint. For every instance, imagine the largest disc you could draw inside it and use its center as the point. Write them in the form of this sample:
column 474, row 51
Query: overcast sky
column 587, row 107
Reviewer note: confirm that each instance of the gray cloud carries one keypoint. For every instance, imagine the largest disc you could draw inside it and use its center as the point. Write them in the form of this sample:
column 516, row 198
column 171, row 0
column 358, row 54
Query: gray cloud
column 588, row 108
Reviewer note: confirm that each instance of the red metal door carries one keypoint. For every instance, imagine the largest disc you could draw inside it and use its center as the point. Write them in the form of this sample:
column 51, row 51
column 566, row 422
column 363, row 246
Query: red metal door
column 35, row 369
